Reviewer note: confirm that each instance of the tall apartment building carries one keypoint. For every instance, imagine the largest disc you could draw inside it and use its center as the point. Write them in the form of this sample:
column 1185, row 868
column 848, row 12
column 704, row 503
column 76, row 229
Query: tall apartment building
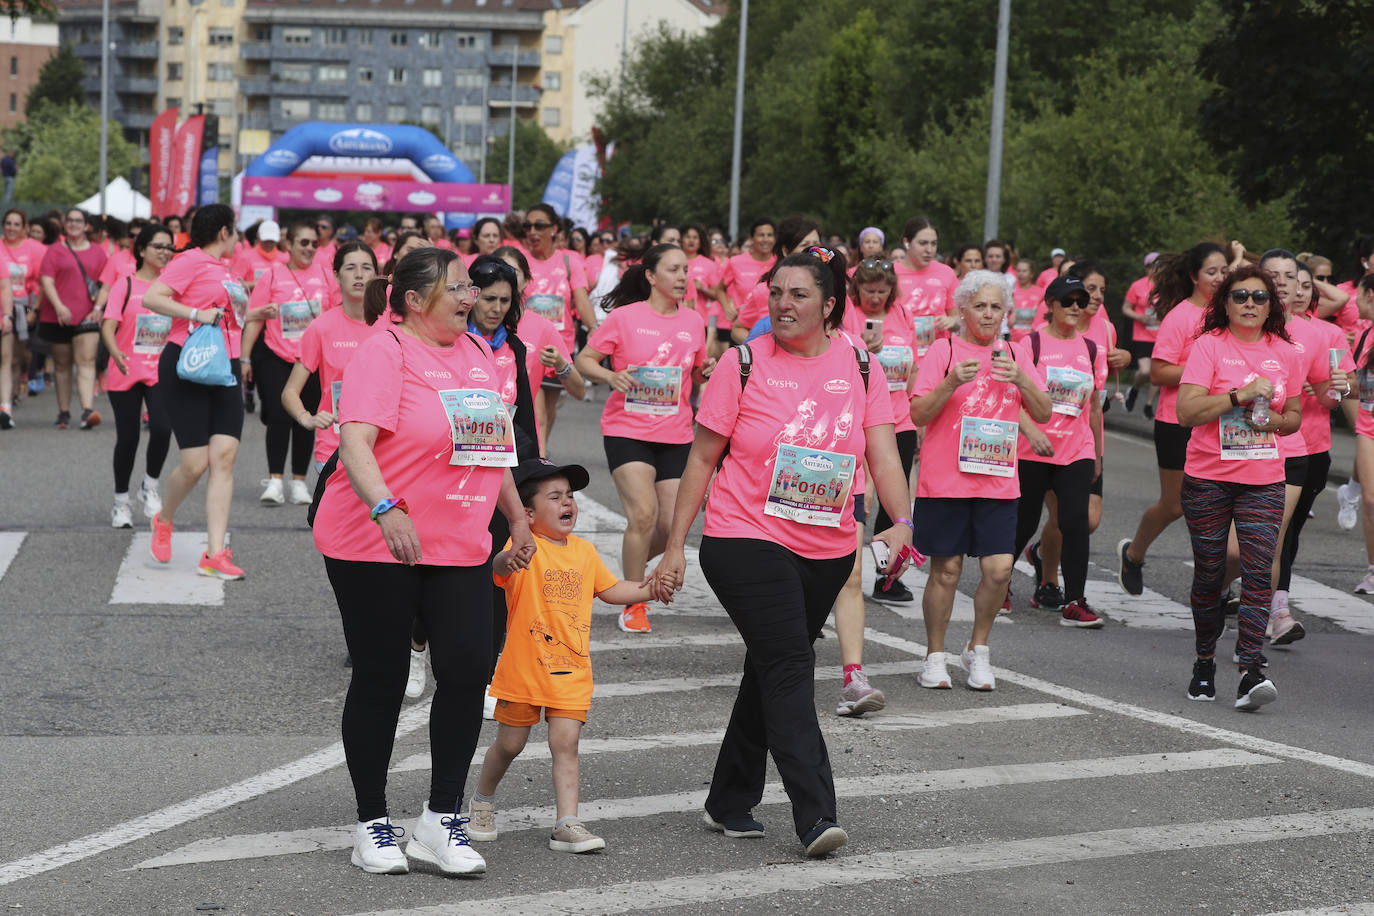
column 25, row 47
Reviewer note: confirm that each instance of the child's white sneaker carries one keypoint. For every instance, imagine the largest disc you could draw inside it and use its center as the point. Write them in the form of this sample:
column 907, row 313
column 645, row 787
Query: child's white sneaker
column 442, row 841
column 375, row 850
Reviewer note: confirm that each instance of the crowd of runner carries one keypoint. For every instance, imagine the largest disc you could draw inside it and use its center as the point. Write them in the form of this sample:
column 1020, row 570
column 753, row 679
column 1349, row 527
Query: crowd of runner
column 788, row 382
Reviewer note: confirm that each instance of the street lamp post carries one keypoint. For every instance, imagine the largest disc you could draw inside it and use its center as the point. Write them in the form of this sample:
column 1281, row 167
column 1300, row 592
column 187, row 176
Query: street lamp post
column 991, row 212
column 739, row 120
column 104, row 99
column 510, row 151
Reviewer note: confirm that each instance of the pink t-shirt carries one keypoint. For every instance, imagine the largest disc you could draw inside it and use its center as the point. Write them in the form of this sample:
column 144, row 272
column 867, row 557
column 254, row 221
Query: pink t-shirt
column 536, row 333
column 1315, row 340
column 550, row 292
column 300, row 295
column 977, row 428
column 324, row 256
column 327, row 347
column 139, row 336
column 202, row 282
column 896, row 360
column 396, row 387
column 383, row 252
column 926, row 295
column 664, row 349
column 1026, row 303
column 252, row 263
column 754, row 308
column 1364, row 417
column 23, row 263
column 740, row 275
column 1138, row 295
column 1348, row 316
column 1073, row 383
column 60, row 263
column 701, row 273
column 120, row 264
column 1177, row 332
column 1046, row 277
column 798, row 425
column 1218, row 362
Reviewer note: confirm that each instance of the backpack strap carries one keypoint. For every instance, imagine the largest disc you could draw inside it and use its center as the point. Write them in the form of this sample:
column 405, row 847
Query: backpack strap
column 746, row 364
column 865, row 362
column 1092, row 351
column 1360, row 346
column 1035, row 348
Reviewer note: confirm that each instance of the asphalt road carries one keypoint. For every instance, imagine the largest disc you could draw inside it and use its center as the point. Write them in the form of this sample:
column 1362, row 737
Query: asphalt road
column 168, row 744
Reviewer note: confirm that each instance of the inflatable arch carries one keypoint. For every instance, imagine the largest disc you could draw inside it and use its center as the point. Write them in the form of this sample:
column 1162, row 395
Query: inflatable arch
column 391, row 141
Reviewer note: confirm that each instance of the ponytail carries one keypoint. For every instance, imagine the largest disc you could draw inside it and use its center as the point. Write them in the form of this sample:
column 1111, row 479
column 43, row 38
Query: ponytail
column 634, row 283
column 374, row 299
column 1175, row 275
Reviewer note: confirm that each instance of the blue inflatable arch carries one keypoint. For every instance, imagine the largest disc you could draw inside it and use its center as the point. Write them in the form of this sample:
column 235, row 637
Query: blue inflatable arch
column 378, row 141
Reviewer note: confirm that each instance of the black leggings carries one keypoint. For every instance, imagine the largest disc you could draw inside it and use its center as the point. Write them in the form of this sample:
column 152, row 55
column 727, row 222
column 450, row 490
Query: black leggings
column 1071, row 484
column 1318, row 466
column 500, row 533
column 778, row 602
column 906, row 448
column 270, row 372
column 128, row 416
column 378, row 602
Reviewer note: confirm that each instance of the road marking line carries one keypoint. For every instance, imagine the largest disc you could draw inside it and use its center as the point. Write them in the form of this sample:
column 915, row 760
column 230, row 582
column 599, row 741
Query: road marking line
column 906, row 865
column 208, row 803
column 10, row 542
column 835, row 730
column 1348, row 610
column 916, row 579
column 1150, row 610
column 1340, row 909
column 1168, row 720
column 143, row 580
column 220, row 849
column 728, row 637
column 676, row 684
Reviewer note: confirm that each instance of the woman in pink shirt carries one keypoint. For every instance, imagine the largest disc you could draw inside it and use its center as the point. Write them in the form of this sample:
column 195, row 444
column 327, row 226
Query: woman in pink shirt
column 1240, row 391
column 406, row 242
column 657, row 350
column 796, row 233
column 1144, row 333
column 207, row 420
column 742, row 272
column 969, row 395
column 1027, row 297
column 788, row 429
column 1184, row 285
column 21, row 258
column 372, row 237
column 965, row 259
column 1364, row 428
column 252, row 262
column 705, row 292
column 999, row 258
column 425, row 451
column 925, row 287
column 69, row 320
column 292, row 294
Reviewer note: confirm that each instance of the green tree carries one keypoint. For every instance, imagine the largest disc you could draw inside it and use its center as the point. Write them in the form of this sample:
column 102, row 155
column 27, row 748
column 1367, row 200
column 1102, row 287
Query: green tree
column 59, row 82
column 1287, row 113
column 535, row 157
column 60, row 163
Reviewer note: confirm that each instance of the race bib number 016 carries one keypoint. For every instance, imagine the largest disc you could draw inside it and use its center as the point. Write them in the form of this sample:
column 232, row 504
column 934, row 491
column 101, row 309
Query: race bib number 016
column 987, row 447
column 1242, row 442
column 481, row 428
column 655, row 390
column 548, row 306
column 810, row 486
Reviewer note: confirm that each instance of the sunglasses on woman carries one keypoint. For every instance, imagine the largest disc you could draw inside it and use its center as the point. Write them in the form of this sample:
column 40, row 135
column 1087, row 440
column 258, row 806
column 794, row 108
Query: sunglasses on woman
column 876, row 264
column 1258, row 296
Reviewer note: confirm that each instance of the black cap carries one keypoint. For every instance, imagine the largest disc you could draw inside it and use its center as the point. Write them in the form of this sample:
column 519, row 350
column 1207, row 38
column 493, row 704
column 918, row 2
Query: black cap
column 539, row 468
column 1061, row 288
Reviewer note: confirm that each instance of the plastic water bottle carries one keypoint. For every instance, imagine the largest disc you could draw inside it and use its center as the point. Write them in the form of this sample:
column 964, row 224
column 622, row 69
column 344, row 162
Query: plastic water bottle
column 1259, row 411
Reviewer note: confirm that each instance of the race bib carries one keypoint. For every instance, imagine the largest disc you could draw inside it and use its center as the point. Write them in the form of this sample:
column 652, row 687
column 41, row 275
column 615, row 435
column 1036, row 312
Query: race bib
column 238, row 296
column 295, row 317
column 896, row 363
column 335, row 389
column 655, row 390
column 481, row 428
column 810, row 486
column 1069, row 389
column 150, row 333
column 1023, row 318
column 18, row 273
column 1242, row 442
column 987, row 447
column 924, row 328
column 547, row 305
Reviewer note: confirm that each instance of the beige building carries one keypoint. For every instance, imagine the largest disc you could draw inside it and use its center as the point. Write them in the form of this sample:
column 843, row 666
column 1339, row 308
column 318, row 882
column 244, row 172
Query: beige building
column 25, row 47
column 587, row 39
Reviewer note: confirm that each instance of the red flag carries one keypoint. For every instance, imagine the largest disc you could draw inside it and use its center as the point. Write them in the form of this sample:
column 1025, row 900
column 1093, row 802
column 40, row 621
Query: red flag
column 160, row 160
column 185, row 164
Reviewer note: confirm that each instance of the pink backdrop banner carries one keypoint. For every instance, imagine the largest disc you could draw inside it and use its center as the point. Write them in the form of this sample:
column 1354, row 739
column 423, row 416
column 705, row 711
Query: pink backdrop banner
column 355, row 194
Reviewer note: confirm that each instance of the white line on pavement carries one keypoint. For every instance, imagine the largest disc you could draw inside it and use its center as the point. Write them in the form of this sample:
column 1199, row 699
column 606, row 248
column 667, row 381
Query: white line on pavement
column 1340, row 909
column 727, row 637
column 976, row 715
column 676, row 684
column 1350, row 611
column 1151, row 610
column 175, row 815
column 219, row 849
column 1168, row 720
column 10, row 542
column 907, row 864
column 143, row 580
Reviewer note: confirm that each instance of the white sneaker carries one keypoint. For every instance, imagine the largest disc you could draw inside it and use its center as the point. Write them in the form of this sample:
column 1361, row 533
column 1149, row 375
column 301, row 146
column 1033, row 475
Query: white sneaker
column 415, row 684
column 933, row 673
column 488, row 705
column 375, row 849
column 977, row 661
column 1366, row 586
column 150, row 496
column 300, row 493
column 440, row 840
column 272, row 492
column 1348, row 495
column 122, row 515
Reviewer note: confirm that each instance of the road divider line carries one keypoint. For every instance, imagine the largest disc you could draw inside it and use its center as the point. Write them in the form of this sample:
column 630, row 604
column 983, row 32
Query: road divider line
column 677, row 684
column 143, row 580
column 541, row 817
column 10, row 542
column 1320, row 600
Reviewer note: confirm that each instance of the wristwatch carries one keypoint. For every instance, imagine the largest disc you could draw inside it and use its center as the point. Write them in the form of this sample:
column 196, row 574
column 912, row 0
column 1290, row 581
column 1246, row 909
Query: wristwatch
column 1232, row 395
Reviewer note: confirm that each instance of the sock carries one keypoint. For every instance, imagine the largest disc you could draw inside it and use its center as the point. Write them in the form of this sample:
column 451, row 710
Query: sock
column 149, row 483
column 849, row 672
column 564, row 821
column 121, row 498
column 1280, row 599
column 487, row 799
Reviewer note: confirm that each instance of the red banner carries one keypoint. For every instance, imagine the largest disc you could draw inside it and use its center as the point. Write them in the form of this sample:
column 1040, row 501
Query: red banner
column 160, row 160
column 185, row 165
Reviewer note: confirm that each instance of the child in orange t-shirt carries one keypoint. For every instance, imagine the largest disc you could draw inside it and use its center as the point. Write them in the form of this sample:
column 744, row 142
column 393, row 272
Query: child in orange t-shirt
column 546, row 665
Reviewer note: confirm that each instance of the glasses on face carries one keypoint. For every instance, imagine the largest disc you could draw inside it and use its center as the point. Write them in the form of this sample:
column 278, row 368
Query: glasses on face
column 1074, row 303
column 607, row 240
column 307, row 243
column 876, row 264
column 323, row 227
column 1322, row 279
column 537, row 227
column 162, row 246
column 1258, row 296
column 75, row 219
column 461, row 290
column 489, row 272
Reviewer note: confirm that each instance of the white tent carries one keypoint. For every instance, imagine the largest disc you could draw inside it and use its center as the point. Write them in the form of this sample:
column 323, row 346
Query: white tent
column 121, row 201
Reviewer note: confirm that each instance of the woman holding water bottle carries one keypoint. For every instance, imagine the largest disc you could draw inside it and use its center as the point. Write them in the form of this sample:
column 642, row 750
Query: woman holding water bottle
column 1239, row 394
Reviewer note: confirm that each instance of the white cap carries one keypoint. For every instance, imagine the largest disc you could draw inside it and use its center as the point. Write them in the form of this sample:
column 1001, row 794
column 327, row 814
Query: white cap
column 1055, row 253
column 269, row 231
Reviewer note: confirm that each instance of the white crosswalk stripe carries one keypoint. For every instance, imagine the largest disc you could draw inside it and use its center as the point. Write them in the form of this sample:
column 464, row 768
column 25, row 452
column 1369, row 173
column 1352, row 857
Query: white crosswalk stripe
column 10, row 542
column 143, row 580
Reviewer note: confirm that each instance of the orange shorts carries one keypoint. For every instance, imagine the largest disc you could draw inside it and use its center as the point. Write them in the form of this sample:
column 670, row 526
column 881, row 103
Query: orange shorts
column 523, row 715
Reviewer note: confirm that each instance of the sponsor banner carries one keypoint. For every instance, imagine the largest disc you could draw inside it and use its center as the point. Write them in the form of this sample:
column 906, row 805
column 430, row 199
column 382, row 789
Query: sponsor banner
column 185, row 164
column 160, row 160
column 366, row 194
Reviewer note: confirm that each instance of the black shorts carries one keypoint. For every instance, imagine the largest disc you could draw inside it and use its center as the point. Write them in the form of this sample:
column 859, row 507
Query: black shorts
column 550, row 382
column 1096, row 488
column 860, row 513
column 1142, row 349
column 723, row 335
column 55, row 333
column 1295, row 471
column 198, row 412
column 955, row 527
column 1171, row 445
column 669, row 461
